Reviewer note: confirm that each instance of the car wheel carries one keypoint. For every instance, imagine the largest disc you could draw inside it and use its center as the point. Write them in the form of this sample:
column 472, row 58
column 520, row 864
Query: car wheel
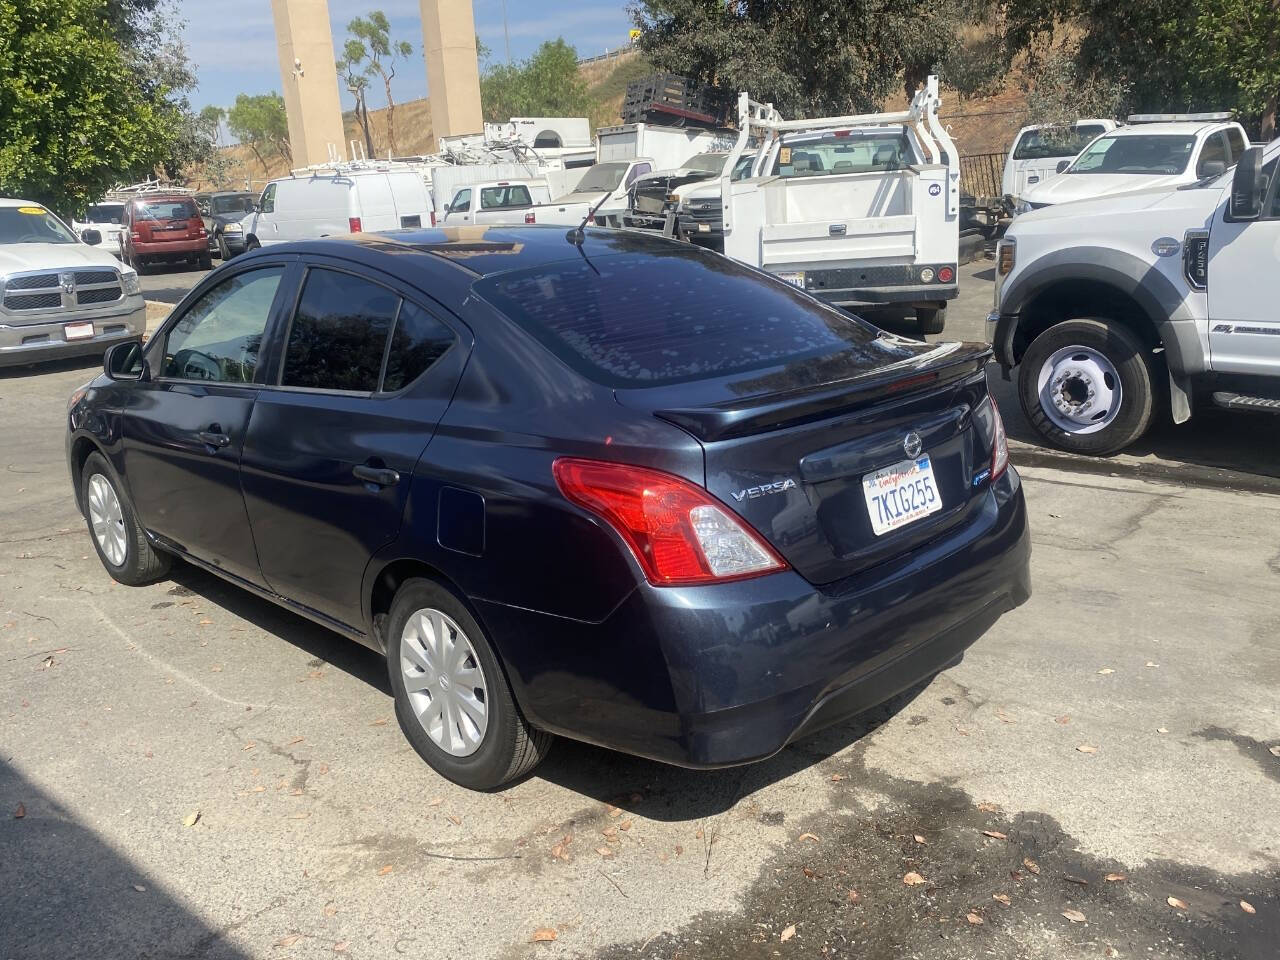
column 223, row 251
column 119, row 539
column 1087, row 386
column 931, row 319
column 251, row 244
column 206, row 262
column 452, row 698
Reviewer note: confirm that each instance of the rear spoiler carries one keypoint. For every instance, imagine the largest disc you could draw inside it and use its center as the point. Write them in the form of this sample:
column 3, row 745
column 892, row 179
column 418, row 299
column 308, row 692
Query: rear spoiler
column 725, row 421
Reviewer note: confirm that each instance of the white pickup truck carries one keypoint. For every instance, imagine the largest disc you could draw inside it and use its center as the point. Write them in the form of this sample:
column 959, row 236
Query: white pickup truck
column 507, row 202
column 858, row 211
column 1040, row 152
column 1116, row 309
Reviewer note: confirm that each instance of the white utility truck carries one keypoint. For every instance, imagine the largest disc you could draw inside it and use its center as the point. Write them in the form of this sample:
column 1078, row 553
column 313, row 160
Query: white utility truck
column 1117, row 308
column 1151, row 150
column 858, row 211
column 1041, row 152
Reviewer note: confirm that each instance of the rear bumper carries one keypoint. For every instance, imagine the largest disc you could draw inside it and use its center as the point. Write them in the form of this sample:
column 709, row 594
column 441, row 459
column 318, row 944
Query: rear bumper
column 37, row 342
column 170, row 248
column 871, row 296
column 728, row 674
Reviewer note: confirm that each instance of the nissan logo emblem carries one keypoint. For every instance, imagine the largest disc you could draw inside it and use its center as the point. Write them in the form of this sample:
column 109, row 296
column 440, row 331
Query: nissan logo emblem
column 912, row 444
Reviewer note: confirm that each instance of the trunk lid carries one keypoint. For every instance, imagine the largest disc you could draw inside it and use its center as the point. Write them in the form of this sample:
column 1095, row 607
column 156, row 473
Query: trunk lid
column 788, row 449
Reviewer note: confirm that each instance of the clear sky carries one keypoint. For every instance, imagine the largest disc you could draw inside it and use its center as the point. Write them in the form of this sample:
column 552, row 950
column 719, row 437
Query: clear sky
column 232, row 42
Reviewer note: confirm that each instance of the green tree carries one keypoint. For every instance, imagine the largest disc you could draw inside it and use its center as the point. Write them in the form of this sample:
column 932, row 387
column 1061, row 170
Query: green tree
column 259, row 122
column 374, row 34
column 1240, row 42
column 73, row 124
column 355, row 75
column 547, row 84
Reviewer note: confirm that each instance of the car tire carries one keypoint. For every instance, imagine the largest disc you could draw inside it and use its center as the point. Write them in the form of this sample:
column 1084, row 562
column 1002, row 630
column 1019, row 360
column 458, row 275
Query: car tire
column 251, row 244
column 117, row 536
column 931, row 320
column 223, row 251
column 1088, row 386
column 479, row 749
column 205, row 262
column 139, row 265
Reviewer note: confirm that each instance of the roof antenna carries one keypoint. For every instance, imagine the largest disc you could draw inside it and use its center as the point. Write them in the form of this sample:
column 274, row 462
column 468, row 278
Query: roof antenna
column 576, row 235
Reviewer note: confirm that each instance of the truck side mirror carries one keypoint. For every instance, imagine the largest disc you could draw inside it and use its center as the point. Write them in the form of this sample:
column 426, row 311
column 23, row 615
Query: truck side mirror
column 1247, row 187
column 1213, row 168
column 91, row 236
column 1062, row 165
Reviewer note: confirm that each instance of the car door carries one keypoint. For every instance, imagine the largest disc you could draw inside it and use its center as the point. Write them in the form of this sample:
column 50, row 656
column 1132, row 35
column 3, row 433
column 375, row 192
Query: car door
column 366, row 373
column 460, row 208
column 1244, row 288
column 266, row 224
column 184, row 428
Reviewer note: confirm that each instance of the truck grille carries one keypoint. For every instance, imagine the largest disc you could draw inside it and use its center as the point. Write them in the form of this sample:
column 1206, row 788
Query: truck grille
column 95, row 276
column 103, row 295
column 34, row 281
column 32, row 301
column 44, row 291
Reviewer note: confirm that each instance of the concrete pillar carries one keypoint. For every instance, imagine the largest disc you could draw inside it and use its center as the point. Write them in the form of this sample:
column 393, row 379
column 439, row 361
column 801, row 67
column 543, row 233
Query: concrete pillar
column 304, row 40
column 453, row 75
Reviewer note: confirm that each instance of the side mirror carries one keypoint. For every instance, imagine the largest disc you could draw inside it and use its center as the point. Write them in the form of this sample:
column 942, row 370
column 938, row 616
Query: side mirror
column 1062, row 165
column 1246, row 187
column 91, row 236
column 1213, row 168
column 445, row 208
column 125, row 361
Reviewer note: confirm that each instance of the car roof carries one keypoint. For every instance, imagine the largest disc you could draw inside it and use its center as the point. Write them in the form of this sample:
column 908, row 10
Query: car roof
column 483, row 251
column 14, row 202
column 1184, row 128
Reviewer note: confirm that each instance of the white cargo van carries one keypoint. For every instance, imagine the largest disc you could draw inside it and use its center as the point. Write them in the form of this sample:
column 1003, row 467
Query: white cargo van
column 335, row 200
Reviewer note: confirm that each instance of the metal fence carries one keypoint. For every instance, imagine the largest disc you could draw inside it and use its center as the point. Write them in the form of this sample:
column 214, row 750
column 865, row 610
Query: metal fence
column 608, row 54
column 981, row 174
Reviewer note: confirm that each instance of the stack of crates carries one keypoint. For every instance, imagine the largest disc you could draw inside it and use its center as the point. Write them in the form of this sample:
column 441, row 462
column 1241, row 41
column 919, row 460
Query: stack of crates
column 676, row 101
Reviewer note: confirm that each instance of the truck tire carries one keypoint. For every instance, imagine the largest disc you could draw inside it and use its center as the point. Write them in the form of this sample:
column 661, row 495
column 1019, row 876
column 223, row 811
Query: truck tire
column 932, row 320
column 1087, row 386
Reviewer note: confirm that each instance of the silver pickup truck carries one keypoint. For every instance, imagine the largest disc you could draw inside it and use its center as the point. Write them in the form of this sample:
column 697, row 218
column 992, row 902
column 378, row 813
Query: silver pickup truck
column 60, row 294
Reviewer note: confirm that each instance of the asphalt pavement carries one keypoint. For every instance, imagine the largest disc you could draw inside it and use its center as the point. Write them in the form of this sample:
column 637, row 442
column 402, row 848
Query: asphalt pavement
column 188, row 771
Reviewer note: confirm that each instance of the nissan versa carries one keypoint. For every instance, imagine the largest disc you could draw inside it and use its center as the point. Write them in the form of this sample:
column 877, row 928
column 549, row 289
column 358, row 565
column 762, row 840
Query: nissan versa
column 595, row 484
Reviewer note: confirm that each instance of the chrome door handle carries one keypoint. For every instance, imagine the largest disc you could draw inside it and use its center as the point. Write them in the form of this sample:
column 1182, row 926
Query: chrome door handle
column 380, row 476
column 214, row 439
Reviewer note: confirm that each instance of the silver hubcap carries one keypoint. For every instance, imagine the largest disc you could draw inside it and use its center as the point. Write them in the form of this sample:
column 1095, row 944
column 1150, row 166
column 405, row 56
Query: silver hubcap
column 1079, row 390
column 444, row 682
column 107, row 519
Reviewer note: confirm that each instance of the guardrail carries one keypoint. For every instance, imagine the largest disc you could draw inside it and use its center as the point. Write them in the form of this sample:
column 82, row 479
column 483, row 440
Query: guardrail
column 608, row 54
column 982, row 174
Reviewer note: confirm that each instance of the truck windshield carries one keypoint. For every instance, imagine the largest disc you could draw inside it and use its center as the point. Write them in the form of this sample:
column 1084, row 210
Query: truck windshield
column 32, row 223
column 602, row 177
column 844, row 151
column 1046, row 142
column 1159, row 154
column 104, row 213
column 710, row 162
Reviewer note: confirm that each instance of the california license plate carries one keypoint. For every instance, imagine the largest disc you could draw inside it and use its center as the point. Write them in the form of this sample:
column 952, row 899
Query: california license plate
column 795, row 278
column 78, row 331
column 901, row 494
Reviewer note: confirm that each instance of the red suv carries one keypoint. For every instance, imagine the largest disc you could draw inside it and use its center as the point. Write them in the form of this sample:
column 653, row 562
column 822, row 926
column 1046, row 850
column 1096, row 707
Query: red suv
column 161, row 227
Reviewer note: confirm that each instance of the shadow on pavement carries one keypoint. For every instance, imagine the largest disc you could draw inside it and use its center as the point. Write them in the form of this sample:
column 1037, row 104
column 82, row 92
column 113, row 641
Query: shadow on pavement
column 60, row 879
column 91, row 365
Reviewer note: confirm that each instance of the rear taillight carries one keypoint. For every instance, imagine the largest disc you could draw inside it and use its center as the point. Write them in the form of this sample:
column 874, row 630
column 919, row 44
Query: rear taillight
column 946, row 274
column 354, row 224
column 433, row 218
column 530, row 218
column 999, row 445
column 678, row 532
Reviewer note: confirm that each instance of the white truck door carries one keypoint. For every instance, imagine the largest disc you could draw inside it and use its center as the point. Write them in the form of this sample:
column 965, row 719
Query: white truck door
column 460, row 208
column 1244, row 289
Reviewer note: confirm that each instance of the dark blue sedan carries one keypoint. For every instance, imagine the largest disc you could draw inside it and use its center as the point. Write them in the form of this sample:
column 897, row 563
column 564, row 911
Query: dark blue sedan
column 602, row 485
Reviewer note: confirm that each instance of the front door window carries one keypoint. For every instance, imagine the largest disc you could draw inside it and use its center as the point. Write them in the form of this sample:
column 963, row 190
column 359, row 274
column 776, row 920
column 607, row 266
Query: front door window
column 220, row 337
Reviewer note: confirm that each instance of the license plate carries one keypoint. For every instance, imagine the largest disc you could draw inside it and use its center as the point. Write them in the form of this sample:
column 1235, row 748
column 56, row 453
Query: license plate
column 796, row 279
column 901, row 494
column 78, row 331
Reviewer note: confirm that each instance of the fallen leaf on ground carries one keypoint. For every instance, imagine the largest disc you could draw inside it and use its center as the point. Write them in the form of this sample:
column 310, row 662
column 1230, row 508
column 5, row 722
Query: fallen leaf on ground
column 615, row 811
column 1087, row 748
column 380, row 722
column 1151, row 663
column 803, row 836
column 141, row 889
column 288, row 941
column 625, row 825
column 974, row 919
column 206, row 622
column 1004, row 717
column 1274, row 751
column 341, row 946
column 919, row 839
column 385, row 870
column 191, row 818
column 1162, row 729
column 46, row 663
column 1115, row 878
column 1080, row 880
column 1106, row 670
column 249, row 746
column 455, row 820
column 1176, row 903
column 604, row 851
column 788, row 933
column 258, row 789
column 435, row 801
column 837, row 777
column 809, row 872
column 1075, row 916
column 1031, row 865
column 913, row 879
column 856, row 897
column 610, row 832
column 679, row 849
column 330, row 909
column 699, row 833
column 1001, row 898
column 295, row 740
column 19, row 813
column 994, row 834
column 989, row 807
column 1064, row 719
column 544, row 935
column 1247, row 907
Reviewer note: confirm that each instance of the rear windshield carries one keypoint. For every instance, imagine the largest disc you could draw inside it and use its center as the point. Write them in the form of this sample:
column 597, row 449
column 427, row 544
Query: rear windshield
column 1055, row 142
column 636, row 320
column 166, row 210
column 105, row 213
column 847, row 151
column 240, row 203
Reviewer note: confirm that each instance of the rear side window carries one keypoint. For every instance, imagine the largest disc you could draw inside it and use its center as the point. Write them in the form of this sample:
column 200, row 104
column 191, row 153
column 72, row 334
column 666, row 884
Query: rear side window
column 1055, row 142
column 513, row 195
column 418, row 342
column 635, row 320
column 339, row 333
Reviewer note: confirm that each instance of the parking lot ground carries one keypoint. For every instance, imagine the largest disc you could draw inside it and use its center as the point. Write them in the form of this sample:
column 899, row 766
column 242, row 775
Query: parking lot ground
column 188, row 771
